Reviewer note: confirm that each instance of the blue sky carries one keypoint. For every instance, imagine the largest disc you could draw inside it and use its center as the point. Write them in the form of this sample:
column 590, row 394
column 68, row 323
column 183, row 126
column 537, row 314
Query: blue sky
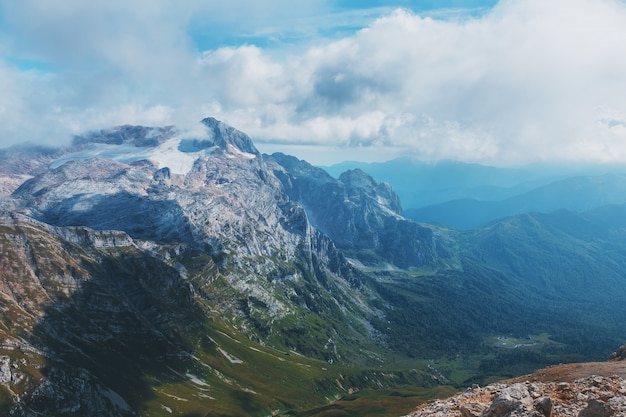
column 322, row 20
column 498, row 82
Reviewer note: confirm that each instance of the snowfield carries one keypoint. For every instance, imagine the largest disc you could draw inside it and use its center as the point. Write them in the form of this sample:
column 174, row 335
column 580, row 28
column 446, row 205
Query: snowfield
column 173, row 153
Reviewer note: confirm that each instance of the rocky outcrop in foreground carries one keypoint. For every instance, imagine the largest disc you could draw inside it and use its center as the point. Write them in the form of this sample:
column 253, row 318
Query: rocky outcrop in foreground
column 619, row 354
column 593, row 396
column 593, row 389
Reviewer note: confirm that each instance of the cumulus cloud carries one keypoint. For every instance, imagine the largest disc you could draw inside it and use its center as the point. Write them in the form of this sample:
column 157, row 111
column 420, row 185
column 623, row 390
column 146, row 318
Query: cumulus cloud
column 526, row 80
column 530, row 80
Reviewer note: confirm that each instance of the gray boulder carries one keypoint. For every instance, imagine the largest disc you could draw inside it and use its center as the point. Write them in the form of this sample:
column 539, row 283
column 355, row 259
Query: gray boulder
column 514, row 398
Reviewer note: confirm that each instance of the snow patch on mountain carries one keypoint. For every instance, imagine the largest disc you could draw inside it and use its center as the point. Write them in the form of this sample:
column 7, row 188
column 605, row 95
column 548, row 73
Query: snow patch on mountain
column 178, row 154
column 176, row 150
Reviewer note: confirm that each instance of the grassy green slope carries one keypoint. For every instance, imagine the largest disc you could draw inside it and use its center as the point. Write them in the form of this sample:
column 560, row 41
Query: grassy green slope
column 552, row 282
column 531, row 290
column 121, row 319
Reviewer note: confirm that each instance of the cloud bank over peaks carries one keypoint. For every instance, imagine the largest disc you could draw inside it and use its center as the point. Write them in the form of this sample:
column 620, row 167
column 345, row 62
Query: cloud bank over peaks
column 526, row 80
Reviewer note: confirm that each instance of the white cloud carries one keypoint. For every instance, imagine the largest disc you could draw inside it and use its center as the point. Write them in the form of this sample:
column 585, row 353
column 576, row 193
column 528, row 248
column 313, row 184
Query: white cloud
column 524, row 82
column 527, row 80
column 246, row 78
column 73, row 34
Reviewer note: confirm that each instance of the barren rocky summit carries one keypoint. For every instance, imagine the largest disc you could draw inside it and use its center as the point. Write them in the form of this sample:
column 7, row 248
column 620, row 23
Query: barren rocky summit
column 596, row 389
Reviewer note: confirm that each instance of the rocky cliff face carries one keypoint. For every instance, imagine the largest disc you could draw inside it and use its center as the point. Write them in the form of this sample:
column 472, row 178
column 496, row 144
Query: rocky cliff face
column 227, row 137
column 139, row 136
column 72, row 309
column 27, row 160
column 361, row 216
column 10, row 183
column 619, row 354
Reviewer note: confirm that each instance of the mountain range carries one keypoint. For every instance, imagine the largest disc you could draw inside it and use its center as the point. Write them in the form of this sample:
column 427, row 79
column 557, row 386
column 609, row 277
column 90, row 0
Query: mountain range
column 146, row 271
column 466, row 196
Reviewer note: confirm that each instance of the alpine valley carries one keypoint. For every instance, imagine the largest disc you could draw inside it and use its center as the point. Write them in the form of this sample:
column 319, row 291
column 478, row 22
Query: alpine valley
column 147, row 272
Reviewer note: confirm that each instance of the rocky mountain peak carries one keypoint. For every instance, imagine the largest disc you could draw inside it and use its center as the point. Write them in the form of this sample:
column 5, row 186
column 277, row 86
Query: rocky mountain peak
column 166, row 146
column 357, row 178
column 382, row 192
column 223, row 135
column 358, row 214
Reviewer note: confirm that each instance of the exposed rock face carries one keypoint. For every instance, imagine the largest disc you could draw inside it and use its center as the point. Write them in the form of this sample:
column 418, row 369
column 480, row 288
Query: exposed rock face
column 619, row 354
column 104, row 195
column 359, row 214
column 10, row 183
column 514, row 399
column 597, row 408
column 545, row 406
column 67, row 295
column 224, row 136
column 136, row 135
column 358, row 181
column 596, row 396
column 27, row 159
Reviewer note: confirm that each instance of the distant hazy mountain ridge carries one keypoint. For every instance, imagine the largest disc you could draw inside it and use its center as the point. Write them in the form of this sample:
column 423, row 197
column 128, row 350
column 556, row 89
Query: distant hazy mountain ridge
column 467, row 196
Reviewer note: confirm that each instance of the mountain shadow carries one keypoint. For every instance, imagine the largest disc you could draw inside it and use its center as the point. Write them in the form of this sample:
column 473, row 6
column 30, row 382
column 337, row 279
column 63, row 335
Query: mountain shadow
column 95, row 331
column 122, row 211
